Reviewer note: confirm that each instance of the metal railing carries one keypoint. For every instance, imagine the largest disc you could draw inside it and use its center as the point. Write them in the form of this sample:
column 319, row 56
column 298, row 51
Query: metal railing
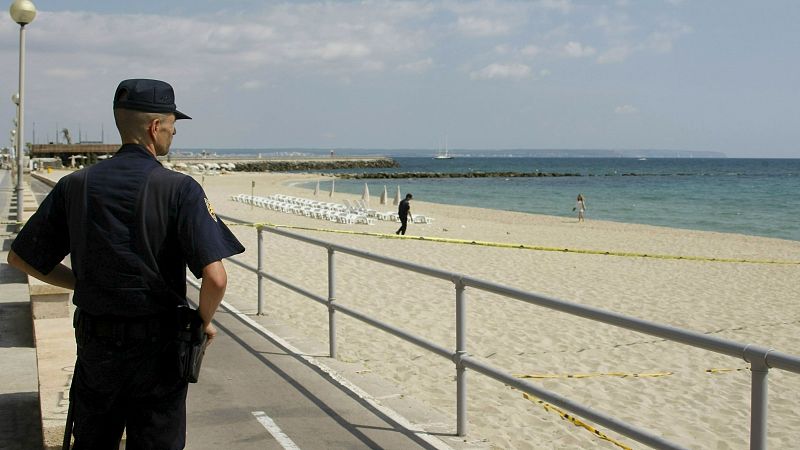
column 760, row 358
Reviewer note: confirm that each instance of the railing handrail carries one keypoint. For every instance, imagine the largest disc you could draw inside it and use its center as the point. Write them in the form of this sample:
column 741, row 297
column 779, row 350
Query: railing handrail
column 761, row 358
column 773, row 359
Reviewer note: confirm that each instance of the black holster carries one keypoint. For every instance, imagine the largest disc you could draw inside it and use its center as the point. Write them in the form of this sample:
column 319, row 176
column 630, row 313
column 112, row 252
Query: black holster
column 191, row 343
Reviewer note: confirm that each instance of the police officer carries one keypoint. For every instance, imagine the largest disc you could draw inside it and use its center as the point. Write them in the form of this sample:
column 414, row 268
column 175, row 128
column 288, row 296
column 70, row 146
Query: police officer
column 131, row 227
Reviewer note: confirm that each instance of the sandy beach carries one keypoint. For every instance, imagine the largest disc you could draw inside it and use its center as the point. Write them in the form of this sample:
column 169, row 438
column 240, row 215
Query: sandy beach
column 750, row 302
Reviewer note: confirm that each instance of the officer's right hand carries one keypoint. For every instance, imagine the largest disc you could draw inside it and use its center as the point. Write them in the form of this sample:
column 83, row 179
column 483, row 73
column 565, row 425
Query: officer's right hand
column 211, row 332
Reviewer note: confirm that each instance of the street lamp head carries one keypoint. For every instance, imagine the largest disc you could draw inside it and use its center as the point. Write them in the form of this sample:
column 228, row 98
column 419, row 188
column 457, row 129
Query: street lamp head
column 15, row 98
column 22, row 11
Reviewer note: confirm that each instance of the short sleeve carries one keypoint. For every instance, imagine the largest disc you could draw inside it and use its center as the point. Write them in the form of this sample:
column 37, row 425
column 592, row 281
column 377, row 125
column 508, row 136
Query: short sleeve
column 204, row 237
column 44, row 240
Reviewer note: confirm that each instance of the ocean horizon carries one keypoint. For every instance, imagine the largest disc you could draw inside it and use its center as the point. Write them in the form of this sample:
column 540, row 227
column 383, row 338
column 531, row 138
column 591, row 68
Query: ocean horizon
column 751, row 196
column 746, row 196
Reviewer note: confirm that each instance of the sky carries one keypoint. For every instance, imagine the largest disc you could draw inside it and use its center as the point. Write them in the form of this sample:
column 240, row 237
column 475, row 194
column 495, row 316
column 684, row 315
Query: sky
column 708, row 75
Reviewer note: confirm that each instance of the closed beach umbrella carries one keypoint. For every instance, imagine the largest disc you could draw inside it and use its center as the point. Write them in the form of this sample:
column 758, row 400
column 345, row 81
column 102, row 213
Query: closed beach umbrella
column 365, row 195
column 333, row 185
column 397, row 197
column 316, row 189
column 384, row 196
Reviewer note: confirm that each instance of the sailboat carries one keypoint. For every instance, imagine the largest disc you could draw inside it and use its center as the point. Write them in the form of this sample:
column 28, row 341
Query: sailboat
column 445, row 154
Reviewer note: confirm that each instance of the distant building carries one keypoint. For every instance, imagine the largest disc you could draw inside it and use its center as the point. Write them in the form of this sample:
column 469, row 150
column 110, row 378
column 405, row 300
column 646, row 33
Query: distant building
column 70, row 152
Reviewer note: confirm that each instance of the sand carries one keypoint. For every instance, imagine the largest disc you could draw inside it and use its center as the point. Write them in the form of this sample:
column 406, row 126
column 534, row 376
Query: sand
column 745, row 302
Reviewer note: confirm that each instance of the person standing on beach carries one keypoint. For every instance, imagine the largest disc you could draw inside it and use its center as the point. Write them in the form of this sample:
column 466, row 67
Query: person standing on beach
column 131, row 227
column 580, row 207
column 404, row 211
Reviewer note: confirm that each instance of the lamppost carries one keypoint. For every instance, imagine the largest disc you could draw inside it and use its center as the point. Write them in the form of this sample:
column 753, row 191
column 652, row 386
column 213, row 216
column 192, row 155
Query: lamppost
column 13, row 159
column 12, row 156
column 23, row 12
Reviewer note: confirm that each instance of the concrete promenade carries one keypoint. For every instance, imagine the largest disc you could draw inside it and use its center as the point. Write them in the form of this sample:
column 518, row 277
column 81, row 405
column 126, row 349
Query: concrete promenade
column 20, row 424
column 255, row 391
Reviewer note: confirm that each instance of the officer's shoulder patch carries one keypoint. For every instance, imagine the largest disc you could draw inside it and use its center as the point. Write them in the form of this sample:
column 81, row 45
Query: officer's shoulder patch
column 210, row 209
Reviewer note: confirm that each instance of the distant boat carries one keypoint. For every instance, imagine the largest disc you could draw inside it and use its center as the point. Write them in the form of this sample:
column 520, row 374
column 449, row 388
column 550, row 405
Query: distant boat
column 642, row 159
column 445, row 154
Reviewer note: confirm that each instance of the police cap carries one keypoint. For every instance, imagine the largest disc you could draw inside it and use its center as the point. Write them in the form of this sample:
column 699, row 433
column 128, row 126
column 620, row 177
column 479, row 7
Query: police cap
column 148, row 96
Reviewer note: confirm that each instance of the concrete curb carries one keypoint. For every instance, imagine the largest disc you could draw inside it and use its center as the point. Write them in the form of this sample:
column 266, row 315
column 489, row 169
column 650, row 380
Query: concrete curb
column 55, row 348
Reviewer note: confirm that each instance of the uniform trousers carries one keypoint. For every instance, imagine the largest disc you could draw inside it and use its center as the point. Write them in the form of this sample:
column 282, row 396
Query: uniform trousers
column 131, row 385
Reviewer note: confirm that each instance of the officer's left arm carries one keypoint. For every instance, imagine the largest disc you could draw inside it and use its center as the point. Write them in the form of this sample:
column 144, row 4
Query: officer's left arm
column 61, row 275
column 212, row 289
column 205, row 241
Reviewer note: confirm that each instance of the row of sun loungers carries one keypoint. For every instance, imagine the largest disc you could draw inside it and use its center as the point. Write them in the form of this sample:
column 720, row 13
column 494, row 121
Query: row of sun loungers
column 334, row 212
column 349, row 212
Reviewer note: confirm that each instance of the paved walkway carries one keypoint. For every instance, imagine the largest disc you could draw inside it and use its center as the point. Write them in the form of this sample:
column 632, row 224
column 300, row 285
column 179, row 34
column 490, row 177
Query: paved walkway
column 254, row 391
column 20, row 424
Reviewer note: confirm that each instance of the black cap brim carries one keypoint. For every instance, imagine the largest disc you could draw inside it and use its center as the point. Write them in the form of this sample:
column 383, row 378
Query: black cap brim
column 179, row 115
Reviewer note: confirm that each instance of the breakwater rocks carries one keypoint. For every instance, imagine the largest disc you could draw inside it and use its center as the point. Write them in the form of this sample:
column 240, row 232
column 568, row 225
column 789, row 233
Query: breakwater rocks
column 387, row 175
column 293, row 166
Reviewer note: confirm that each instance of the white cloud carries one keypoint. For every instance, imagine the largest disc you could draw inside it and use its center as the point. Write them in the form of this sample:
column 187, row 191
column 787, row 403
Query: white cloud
column 502, row 49
column 252, row 85
column 662, row 40
column 614, row 55
column 564, row 6
column 66, row 73
column 328, row 37
column 626, row 109
column 615, row 26
column 626, row 38
column 341, row 50
column 577, row 50
column 502, row 71
column 530, row 50
column 419, row 66
column 478, row 26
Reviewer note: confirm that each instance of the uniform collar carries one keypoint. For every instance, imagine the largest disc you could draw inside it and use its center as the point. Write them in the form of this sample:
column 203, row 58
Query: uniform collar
column 135, row 149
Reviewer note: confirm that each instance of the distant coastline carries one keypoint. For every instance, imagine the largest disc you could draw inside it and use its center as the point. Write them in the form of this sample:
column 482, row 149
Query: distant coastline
column 459, row 153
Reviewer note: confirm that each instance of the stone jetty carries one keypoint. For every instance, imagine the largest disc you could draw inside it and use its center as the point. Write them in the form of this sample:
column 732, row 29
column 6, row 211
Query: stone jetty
column 390, row 175
column 301, row 165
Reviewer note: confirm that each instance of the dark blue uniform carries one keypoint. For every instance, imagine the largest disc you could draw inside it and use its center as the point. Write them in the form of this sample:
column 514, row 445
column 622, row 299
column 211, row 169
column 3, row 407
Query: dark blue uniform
column 131, row 227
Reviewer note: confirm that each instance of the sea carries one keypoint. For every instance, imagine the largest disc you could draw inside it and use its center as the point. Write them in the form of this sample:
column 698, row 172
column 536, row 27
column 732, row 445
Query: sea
column 746, row 196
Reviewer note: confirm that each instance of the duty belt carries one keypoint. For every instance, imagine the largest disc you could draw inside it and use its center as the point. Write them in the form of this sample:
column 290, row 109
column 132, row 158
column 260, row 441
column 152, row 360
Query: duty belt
column 125, row 328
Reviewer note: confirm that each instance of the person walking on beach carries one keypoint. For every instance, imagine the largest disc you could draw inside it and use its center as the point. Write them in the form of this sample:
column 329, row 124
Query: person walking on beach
column 131, row 227
column 580, row 207
column 404, row 211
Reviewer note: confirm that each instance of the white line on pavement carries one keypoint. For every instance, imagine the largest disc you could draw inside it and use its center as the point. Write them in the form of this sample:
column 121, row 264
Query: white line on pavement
column 342, row 381
column 276, row 432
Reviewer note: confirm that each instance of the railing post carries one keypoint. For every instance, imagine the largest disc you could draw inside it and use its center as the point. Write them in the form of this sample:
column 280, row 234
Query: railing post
column 757, row 357
column 461, row 350
column 758, row 405
column 331, row 299
column 260, row 230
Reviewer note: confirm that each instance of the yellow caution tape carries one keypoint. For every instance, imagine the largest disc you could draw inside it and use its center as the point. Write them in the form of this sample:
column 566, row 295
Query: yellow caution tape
column 530, row 247
column 550, row 376
column 575, row 421
column 740, row 369
column 541, row 376
column 579, row 423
